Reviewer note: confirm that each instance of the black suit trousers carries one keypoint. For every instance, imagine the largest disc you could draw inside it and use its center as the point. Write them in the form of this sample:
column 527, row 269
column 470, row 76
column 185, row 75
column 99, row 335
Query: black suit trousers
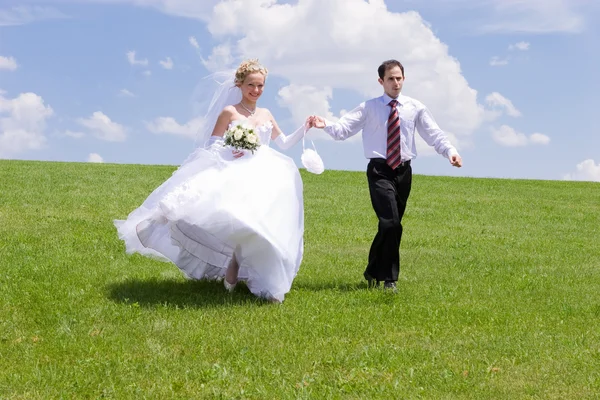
column 389, row 189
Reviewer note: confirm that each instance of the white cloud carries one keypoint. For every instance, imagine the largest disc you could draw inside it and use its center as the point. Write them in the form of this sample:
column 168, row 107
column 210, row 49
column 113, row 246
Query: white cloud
column 8, row 63
column 194, row 9
column 133, row 61
column 220, row 57
column 498, row 62
column 125, row 93
column 515, row 16
column 507, row 136
column 170, row 126
column 535, row 16
column 21, row 15
column 314, row 101
column 74, row 134
column 103, row 128
column 194, row 42
column 167, row 64
column 523, row 46
column 22, row 123
column 496, row 100
column 342, row 58
column 585, row 171
column 539, row 138
column 95, row 158
column 147, row 73
column 504, row 16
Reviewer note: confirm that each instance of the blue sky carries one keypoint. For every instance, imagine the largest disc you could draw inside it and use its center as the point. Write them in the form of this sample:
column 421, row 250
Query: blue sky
column 513, row 82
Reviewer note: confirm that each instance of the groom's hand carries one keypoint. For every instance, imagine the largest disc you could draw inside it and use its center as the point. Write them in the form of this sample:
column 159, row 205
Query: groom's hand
column 316, row 122
column 456, row 161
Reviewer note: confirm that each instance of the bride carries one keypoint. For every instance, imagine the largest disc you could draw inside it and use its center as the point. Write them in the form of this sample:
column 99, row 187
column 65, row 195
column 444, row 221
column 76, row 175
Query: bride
column 229, row 214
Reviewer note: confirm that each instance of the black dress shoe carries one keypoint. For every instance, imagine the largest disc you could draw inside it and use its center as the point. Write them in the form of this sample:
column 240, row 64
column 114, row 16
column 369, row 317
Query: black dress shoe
column 371, row 282
column 391, row 286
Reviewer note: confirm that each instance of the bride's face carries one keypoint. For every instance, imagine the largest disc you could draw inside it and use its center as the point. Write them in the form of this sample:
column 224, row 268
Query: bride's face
column 253, row 86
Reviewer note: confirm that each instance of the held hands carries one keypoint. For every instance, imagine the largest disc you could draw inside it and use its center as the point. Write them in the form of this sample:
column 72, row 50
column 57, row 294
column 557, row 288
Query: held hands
column 314, row 121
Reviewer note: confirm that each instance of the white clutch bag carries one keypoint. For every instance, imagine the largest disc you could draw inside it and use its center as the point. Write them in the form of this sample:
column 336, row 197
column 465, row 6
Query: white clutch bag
column 311, row 159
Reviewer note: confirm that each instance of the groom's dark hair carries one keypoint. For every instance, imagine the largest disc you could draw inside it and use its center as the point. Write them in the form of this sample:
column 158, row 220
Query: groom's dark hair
column 388, row 65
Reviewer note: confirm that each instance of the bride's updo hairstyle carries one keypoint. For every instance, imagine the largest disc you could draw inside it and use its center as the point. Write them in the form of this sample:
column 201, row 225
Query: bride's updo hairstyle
column 249, row 67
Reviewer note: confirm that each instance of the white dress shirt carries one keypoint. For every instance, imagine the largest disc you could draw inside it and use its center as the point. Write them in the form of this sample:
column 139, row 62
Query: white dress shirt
column 372, row 115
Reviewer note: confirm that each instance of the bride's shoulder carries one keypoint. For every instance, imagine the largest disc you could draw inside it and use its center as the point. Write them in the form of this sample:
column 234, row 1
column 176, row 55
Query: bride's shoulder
column 229, row 110
column 264, row 110
column 265, row 114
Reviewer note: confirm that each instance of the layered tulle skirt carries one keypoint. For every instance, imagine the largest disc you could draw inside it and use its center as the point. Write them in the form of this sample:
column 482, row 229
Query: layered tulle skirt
column 215, row 206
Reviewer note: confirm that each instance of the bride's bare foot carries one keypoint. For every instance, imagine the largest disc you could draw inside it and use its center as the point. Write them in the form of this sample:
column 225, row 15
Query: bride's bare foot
column 272, row 299
column 231, row 275
column 229, row 286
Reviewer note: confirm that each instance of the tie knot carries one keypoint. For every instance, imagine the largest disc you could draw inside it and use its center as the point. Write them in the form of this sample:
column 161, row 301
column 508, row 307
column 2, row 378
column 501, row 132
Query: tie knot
column 393, row 103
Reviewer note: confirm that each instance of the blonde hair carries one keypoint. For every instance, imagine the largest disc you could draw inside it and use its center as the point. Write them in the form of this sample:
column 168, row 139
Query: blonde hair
column 248, row 67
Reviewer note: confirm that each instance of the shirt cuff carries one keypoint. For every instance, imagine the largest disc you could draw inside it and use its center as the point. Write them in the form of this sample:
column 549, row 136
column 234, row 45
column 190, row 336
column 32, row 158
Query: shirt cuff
column 451, row 152
column 327, row 128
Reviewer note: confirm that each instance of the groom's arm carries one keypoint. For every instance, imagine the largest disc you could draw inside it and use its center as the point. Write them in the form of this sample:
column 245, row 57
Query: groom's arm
column 349, row 125
column 435, row 137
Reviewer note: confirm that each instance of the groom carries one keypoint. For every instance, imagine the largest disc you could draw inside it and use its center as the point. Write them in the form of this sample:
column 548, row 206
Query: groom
column 388, row 125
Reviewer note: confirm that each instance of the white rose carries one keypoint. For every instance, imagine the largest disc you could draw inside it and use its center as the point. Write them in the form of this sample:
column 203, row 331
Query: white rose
column 237, row 135
column 252, row 138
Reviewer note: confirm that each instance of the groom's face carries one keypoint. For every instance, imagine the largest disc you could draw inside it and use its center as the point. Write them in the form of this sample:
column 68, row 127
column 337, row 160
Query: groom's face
column 392, row 81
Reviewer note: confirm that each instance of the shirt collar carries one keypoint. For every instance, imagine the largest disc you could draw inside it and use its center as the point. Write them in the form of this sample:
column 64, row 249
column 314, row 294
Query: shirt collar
column 386, row 99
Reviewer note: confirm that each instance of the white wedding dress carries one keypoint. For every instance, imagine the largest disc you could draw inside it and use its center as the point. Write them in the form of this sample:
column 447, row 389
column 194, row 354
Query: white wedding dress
column 216, row 205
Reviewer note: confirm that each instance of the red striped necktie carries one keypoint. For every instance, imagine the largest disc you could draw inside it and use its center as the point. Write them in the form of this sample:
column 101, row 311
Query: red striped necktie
column 393, row 138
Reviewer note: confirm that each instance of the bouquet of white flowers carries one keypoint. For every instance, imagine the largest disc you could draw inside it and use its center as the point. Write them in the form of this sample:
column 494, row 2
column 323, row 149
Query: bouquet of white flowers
column 242, row 137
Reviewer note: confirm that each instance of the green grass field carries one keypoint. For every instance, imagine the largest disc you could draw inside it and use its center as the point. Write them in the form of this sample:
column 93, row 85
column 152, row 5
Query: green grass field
column 499, row 296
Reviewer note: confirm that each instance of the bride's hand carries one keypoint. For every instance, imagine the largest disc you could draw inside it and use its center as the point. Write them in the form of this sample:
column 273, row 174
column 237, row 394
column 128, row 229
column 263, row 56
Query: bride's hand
column 237, row 153
column 314, row 121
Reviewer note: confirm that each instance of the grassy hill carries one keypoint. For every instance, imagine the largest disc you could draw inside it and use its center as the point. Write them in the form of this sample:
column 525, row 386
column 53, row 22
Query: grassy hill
column 499, row 296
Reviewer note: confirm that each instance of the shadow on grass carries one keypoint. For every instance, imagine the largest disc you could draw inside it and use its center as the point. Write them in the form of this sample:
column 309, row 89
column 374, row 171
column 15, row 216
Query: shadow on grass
column 161, row 292
column 329, row 286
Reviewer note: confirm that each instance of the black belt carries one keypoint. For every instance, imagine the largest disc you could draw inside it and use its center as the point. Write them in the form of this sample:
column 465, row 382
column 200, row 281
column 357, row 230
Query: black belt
column 384, row 161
